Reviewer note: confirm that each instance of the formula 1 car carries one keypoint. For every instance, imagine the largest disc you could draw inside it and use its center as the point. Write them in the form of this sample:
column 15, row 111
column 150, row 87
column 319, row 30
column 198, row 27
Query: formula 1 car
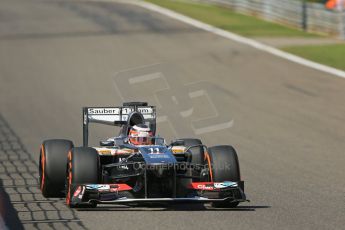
column 119, row 172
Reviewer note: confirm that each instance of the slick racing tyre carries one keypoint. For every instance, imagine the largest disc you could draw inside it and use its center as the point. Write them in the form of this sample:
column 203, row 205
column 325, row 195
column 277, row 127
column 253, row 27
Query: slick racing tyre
column 52, row 167
column 224, row 167
column 196, row 156
column 83, row 168
column 197, row 153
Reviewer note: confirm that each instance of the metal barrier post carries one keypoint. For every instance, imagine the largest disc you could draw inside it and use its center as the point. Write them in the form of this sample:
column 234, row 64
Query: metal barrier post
column 342, row 22
column 304, row 15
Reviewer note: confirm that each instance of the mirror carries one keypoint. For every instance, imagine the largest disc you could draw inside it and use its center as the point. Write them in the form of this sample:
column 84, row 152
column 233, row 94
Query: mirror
column 177, row 143
column 106, row 143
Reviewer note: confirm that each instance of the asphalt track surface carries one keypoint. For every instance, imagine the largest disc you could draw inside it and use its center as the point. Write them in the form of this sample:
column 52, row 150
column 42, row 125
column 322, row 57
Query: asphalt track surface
column 286, row 121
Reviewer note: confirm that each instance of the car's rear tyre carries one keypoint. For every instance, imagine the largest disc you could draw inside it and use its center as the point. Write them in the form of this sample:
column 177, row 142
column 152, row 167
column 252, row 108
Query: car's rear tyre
column 83, row 168
column 196, row 153
column 52, row 167
column 196, row 156
column 224, row 167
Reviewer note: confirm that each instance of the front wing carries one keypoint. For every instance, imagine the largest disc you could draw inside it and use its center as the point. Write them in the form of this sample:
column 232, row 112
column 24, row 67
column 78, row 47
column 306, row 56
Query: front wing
column 199, row 192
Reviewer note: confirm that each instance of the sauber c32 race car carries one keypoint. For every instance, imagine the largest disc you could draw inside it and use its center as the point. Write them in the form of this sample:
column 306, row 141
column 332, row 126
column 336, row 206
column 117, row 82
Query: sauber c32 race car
column 119, row 172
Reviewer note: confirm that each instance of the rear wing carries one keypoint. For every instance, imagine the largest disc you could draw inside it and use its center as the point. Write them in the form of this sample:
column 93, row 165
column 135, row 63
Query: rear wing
column 126, row 115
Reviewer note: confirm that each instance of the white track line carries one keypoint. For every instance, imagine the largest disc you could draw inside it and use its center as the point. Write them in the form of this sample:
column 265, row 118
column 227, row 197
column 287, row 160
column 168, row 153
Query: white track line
column 240, row 39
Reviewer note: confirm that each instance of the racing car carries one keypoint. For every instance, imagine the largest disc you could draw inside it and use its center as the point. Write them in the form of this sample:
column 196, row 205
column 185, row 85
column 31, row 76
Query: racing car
column 123, row 170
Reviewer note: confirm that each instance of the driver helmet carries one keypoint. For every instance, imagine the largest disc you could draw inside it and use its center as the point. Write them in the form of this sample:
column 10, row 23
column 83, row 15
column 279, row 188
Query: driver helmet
column 140, row 135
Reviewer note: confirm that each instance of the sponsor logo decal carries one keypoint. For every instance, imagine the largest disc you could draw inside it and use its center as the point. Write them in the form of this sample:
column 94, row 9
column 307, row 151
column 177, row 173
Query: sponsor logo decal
column 213, row 186
column 158, row 156
column 99, row 187
column 103, row 111
column 205, row 186
column 145, row 110
column 225, row 184
column 117, row 111
column 105, row 151
column 108, row 187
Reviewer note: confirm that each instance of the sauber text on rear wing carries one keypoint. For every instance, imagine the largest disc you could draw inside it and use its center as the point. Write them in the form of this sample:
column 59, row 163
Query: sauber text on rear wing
column 116, row 116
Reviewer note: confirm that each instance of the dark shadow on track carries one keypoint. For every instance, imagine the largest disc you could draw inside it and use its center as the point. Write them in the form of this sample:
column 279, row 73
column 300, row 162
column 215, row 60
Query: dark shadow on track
column 21, row 203
column 7, row 211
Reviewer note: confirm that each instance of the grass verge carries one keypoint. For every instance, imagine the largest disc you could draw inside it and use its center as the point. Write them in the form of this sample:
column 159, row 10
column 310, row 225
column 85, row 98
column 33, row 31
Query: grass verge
column 224, row 18
column 229, row 20
column 332, row 55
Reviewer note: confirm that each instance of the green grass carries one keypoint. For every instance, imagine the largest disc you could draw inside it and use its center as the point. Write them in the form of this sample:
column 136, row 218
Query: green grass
column 332, row 55
column 227, row 19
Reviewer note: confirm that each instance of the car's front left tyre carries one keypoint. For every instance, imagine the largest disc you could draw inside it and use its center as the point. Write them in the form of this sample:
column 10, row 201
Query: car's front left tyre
column 224, row 166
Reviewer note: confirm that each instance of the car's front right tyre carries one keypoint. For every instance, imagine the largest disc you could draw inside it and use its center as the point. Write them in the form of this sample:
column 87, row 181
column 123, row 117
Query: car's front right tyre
column 52, row 167
column 83, row 167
